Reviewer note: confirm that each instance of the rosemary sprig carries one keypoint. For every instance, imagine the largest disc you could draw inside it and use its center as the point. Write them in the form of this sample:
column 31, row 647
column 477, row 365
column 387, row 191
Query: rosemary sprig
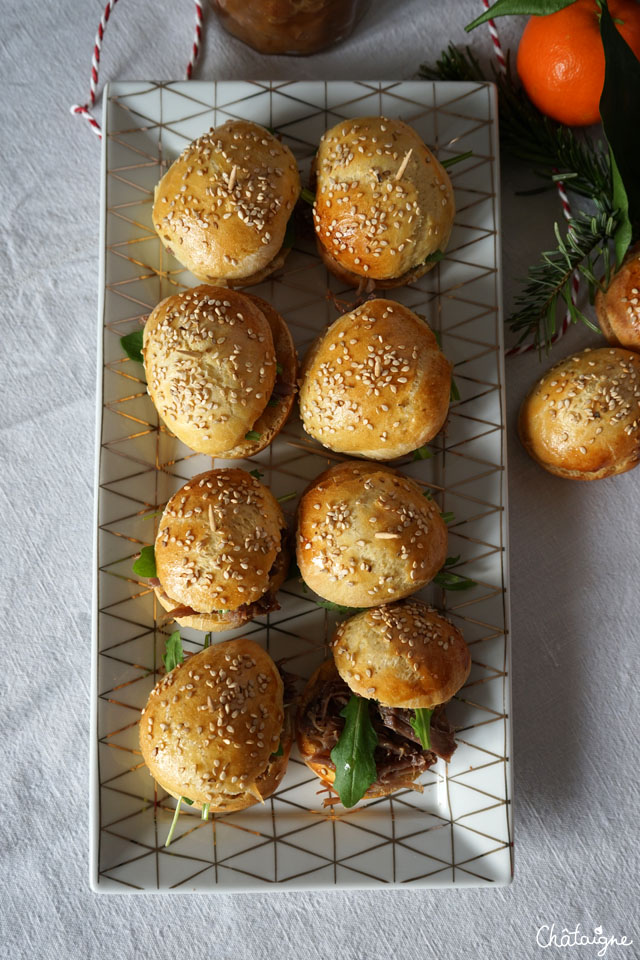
column 556, row 153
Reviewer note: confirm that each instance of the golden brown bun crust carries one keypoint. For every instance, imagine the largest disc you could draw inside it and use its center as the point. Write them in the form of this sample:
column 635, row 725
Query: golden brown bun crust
column 211, row 366
column 581, row 420
column 402, row 655
column 279, row 406
column 324, row 674
column 374, row 225
column 376, row 384
column 618, row 309
column 217, row 541
column 367, row 535
column 230, row 221
column 207, row 740
column 368, row 284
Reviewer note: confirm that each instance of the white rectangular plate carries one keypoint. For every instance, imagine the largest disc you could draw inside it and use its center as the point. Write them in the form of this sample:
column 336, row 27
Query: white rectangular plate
column 458, row 831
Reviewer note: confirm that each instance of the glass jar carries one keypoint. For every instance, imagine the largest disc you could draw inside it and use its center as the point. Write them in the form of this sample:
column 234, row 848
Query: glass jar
column 290, row 26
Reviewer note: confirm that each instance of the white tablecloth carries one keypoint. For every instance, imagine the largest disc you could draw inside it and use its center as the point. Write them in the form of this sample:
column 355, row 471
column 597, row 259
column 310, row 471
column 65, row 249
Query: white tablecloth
column 574, row 558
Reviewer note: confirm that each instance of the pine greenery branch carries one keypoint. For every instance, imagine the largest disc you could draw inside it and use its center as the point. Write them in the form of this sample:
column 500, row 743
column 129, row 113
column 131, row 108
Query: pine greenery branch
column 556, row 153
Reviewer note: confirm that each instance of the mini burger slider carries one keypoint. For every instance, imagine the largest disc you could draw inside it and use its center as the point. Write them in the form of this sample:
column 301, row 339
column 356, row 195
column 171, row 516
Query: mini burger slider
column 376, row 384
column 220, row 551
column 221, row 370
column 223, row 206
column 215, row 731
column 367, row 535
column 384, row 205
column 373, row 719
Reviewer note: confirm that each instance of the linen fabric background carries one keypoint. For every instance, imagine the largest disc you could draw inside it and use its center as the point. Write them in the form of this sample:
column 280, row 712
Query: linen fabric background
column 574, row 555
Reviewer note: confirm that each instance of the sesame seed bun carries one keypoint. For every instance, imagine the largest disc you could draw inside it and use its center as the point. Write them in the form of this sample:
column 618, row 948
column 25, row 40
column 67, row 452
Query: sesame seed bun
column 325, row 673
column 384, row 204
column 218, row 541
column 210, row 727
column 211, row 358
column 618, row 308
column 376, row 384
column 402, row 655
column 222, row 207
column 582, row 419
column 367, row 535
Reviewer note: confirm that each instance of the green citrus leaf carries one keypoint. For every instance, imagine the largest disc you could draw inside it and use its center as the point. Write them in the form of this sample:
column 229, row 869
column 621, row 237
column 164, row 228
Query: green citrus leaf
column 502, row 8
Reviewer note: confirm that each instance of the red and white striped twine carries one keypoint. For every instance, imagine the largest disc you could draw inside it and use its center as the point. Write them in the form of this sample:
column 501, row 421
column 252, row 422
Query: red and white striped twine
column 84, row 110
column 566, row 207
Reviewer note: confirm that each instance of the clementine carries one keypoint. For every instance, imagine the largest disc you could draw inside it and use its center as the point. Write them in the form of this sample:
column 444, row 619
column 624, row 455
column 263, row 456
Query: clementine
column 561, row 60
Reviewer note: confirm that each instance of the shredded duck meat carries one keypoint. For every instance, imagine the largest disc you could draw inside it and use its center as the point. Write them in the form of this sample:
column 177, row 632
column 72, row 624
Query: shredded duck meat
column 399, row 755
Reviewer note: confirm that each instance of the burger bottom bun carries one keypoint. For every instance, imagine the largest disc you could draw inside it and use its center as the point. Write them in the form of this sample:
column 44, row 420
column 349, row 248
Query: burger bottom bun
column 368, row 282
column 238, row 283
column 273, row 418
column 219, row 620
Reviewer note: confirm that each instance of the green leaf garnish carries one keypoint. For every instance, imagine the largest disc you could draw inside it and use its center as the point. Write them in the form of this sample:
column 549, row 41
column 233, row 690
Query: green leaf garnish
column 337, row 607
column 256, row 474
column 173, row 822
column 132, row 345
column 502, row 8
column 174, row 654
column 620, row 113
column 186, row 800
column 279, row 369
column 287, row 496
column 451, row 561
column 145, row 565
column 422, row 453
column 435, row 257
column 452, row 581
column 454, row 396
column 448, row 516
column 207, row 641
column 451, row 161
column 205, row 811
column 427, row 493
column 421, row 725
column 252, row 435
column 279, row 752
column 353, row 755
column 308, row 196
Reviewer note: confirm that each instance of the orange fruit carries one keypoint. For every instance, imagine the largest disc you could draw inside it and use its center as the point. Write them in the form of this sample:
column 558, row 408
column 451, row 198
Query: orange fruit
column 561, row 60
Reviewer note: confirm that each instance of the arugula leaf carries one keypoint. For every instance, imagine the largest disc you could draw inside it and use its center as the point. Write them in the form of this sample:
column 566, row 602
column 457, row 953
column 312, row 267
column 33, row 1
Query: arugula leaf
column 620, row 113
column 353, row 755
column 145, row 565
column 421, row 725
column 502, row 8
column 279, row 369
column 132, row 345
column 174, row 654
column 279, row 752
column 252, row 435
column 427, row 493
column 422, row 453
column 452, row 581
column 207, row 641
column 256, row 474
column 435, row 257
column 448, row 516
column 454, row 395
column 451, row 561
column 337, row 607
column 451, row 161
column 186, row 800
column 307, row 196
column 173, row 822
